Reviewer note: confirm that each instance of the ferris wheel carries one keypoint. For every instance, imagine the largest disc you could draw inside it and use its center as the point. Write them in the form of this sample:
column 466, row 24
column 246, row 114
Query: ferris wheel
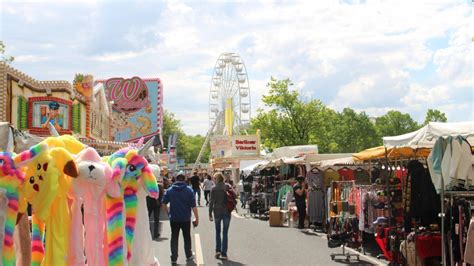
column 229, row 96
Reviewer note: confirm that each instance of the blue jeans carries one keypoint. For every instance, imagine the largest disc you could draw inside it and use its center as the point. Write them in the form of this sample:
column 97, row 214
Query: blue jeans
column 198, row 198
column 243, row 198
column 221, row 246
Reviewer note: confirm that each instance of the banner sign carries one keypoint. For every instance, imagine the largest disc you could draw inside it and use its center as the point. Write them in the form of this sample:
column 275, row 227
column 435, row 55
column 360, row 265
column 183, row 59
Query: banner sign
column 245, row 146
column 137, row 107
column 235, row 146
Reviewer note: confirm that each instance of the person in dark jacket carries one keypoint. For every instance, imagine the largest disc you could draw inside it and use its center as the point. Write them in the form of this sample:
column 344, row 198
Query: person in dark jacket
column 299, row 192
column 181, row 200
column 218, row 208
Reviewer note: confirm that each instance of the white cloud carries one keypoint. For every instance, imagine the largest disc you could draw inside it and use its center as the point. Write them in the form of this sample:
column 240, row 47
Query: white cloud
column 420, row 96
column 366, row 55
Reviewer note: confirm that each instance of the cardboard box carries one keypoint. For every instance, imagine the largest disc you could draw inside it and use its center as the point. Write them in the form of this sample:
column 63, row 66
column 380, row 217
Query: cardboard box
column 275, row 217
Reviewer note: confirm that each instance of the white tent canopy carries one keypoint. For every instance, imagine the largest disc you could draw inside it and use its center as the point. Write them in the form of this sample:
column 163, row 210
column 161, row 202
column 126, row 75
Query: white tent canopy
column 292, row 151
column 426, row 136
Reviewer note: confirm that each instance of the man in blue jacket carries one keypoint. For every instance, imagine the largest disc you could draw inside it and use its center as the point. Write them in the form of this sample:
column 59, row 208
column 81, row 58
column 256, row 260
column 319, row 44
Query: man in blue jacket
column 181, row 200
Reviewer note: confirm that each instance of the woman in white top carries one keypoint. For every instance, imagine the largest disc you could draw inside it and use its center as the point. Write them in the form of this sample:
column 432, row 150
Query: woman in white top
column 208, row 184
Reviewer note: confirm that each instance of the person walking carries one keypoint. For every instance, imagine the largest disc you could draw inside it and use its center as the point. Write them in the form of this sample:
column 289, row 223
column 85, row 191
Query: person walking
column 181, row 200
column 196, row 185
column 243, row 195
column 207, row 186
column 299, row 192
column 218, row 208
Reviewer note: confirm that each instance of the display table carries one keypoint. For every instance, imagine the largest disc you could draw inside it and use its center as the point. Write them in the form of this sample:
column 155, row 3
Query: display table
column 428, row 246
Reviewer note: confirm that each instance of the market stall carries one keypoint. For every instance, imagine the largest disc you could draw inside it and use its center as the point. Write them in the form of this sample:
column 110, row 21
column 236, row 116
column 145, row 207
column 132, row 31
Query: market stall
column 450, row 168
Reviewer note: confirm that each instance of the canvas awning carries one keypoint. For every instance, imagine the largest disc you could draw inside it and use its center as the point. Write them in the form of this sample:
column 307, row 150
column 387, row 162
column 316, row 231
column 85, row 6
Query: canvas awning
column 426, row 136
column 392, row 153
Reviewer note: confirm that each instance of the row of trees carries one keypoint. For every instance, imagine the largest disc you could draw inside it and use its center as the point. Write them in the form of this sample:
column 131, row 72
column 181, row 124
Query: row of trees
column 289, row 120
column 187, row 146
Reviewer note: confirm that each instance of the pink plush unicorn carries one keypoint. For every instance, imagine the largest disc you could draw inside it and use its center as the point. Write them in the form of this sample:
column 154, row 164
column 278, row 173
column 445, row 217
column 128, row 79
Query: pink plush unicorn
column 95, row 180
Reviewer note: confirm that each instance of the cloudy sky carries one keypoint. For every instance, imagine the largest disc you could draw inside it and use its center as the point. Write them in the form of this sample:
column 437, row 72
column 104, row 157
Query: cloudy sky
column 372, row 56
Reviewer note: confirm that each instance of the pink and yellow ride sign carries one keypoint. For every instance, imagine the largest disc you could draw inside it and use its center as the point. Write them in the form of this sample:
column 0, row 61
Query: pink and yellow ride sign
column 137, row 106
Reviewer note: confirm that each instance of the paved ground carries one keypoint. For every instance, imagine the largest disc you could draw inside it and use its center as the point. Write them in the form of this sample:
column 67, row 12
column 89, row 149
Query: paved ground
column 254, row 242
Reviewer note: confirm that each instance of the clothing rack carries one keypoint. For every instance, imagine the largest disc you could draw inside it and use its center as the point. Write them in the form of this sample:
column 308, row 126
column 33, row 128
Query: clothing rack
column 452, row 195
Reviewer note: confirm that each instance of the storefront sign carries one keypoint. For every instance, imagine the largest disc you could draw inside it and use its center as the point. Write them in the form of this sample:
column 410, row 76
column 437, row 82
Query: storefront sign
column 245, row 146
column 235, row 146
column 137, row 107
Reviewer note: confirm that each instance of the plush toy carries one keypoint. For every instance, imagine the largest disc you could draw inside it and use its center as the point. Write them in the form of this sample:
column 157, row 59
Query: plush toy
column 46, row 188
column 11, row 178
column 137, row 175
column 95, row 179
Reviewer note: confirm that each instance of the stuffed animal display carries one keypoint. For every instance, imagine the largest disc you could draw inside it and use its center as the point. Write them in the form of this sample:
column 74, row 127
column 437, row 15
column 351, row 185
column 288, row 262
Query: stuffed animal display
column 137, row 175
column 94, row 181
column 84, row 208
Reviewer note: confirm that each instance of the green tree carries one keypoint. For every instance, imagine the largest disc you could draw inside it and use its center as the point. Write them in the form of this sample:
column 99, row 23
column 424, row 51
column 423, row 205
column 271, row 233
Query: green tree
column 290, row 120
column 5, row 58
column 433, row 115
column 354, row 132
column 193, row 147
column 172, row 125
column 394, row 123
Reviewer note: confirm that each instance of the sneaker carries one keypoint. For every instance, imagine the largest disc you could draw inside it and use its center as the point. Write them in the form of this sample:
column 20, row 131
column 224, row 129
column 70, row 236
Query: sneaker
column 218, row 254
column 190, row 258
column 174, row 261
column 224, row 257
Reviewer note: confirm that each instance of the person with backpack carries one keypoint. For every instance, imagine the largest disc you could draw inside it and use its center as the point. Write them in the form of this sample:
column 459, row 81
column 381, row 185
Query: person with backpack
column 181, row 199
column 222, row 203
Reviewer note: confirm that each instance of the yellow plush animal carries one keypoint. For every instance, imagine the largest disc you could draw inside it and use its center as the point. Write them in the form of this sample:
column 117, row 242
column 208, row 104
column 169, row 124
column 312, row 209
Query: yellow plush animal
column 48, row 179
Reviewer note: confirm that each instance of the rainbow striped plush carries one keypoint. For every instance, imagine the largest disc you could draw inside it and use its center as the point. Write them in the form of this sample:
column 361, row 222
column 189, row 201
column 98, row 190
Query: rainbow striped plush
column 37, row 241
column 11, row 178
column 137, row 173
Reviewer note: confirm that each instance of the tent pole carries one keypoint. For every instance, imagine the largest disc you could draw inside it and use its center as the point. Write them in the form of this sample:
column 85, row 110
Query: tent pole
column 441, row 215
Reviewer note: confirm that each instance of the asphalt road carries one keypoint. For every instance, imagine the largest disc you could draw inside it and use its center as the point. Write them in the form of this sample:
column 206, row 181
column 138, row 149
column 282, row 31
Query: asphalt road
column 254, row 242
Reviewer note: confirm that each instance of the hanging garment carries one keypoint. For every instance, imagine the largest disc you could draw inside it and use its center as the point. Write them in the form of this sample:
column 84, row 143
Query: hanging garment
column 314, row 180
column 424, row 202
column 434, row 161
column 408, row 251
column 362, row 177
column 446, row 162
column 316, row 206
column 346, row 174
column 469, row 252
column 330, row 175
column 464, row 165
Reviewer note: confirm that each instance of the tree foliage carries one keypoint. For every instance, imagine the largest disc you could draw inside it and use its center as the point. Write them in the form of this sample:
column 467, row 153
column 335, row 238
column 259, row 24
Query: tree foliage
column 395, row 123
column 289, row 120
column 187, row 146
column 354, row 132
column 435, row 116
column 4, row 57
column 172, row 125
column 193, row 146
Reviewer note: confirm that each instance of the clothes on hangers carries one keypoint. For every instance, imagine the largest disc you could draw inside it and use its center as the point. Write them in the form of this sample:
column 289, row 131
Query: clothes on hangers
column 330, row 175
column 459, row 217
column 316, row 206
column 361, row 176
column 469, row 251
column 346, row 174
column 424, row 202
